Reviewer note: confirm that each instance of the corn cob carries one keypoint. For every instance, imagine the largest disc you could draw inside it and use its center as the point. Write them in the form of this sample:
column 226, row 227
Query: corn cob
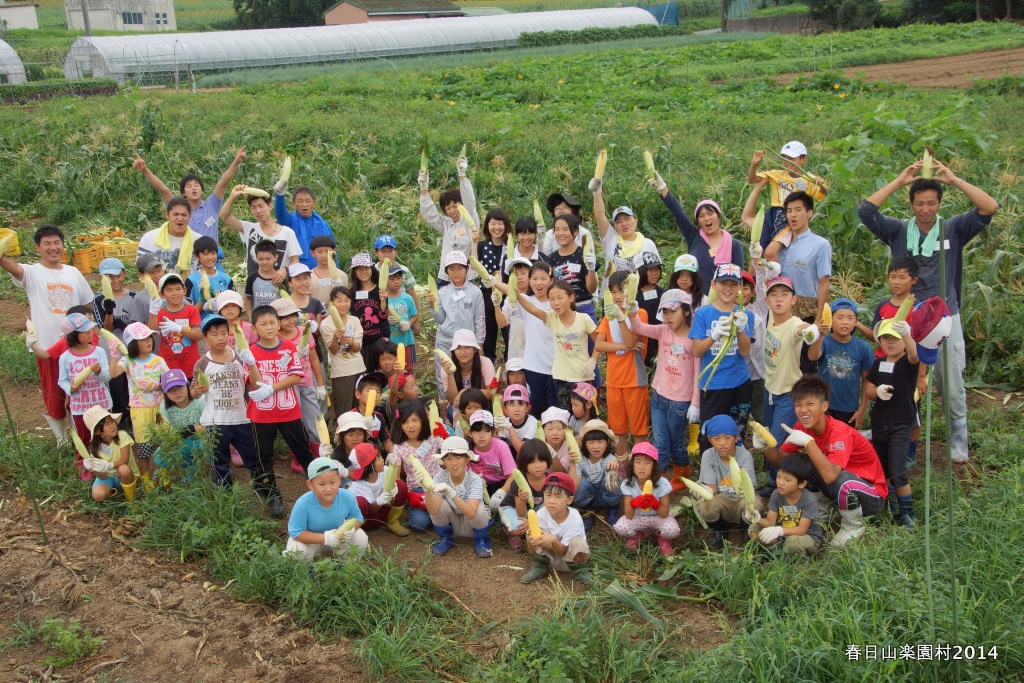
column 533, row 523
column 201, row 379
column 432, row 288
column 79, row 446
column 712, row 296
column 466, row 218
column 523, row 485
column 632, row 284
column 445, row 361
column 486, row 498
column 426, row 481
column 335, row 317
column 826, row 315
column 609, row 301
column 150, row 286
column 570, row 438
column 513, row 295
column 648, row 487
column 286, row 169
column 433, row 415
column 5, row 242
column 391, row 476
column 382, row 275
column 588, row 245
column 204, row 287
column 322, row 432
column 540, row 431
column 83, row 375
column 108, row 335
column 763, row 432
column 371, row 403
column 755, row 229
column 496, row 407
column 726, row 345
column 537, row 215
column 478, row 267
column 283, row 293
column 424, row 155
column 255, row 192
column 332, row 266
column 904, row 310
column 697, row 489
column 649, row 163
column 693, row 443
column 602, row 161
column 464, row 425
column 609, row 269
column 510, row 246
column 349, row 525
column 927, row 170
column 747, row 487
column 400, row 356
column 108, row 291
column 240, row 343
column 304, row 339
column 734, row 473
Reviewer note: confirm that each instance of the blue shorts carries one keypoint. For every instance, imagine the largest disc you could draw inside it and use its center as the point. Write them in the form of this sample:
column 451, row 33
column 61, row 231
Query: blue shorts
column 112, row 482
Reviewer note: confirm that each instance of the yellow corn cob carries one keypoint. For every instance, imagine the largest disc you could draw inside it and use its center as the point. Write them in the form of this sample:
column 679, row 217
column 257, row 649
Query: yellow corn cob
column 537, row 215
column 150, row 286
column 391, row 476
column 510, row 245
column 496, row 408
column 79, row 446
column 540, row 431
column 432, row 288
column 570, row 438
column 400, row 356
column 304, row 339
column 648, row 487
column 349, row 525
column 108, row 335
column 462, row 154
column 588, row 245
column 747, row 487
column 478, row 267
column 904, row 310
column 763, row 432
column 523, row 485
column 602, row 161
column 826, row 315
column 533, row 523
column 649, row 163
column 382, row 276
column 464, row 424
column 632, row 284
column 696, row 489
column 255, row 192
column 693, row 443
column 286, row 168
column 734, row 473
column 322, row 432
column 5, row 242
column 445, row 361
column 283, row 293
column 755, row 229
column 712, row 296
column 240, row 343
column 609, row 269
column 371, row 403
column 426, row 481
column 466, row 218
column 433, row 415
column 204, row 286
column 83, row 375
column 108, row 291
column 513, row 294
column 332, row 266
column 926, row 164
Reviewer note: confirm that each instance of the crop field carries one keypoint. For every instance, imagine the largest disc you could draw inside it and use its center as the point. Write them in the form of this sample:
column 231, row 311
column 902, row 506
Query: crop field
column 533, row 122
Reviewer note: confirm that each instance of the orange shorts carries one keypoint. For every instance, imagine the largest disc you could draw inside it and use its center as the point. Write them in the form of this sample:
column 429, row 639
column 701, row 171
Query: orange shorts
column 629, row 410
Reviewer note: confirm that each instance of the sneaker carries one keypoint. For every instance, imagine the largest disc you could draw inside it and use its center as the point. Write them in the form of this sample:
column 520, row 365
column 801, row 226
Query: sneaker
column 275, row 507
column 236, row 458
column 665, row 546
column 634, row 541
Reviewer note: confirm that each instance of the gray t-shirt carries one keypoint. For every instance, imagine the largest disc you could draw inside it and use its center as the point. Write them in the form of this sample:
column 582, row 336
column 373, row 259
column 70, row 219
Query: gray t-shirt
column 790, row 516
column 714, row 471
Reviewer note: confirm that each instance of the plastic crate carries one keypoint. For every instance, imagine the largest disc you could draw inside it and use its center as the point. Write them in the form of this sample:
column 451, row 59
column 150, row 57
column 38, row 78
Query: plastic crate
column 107, row 234
column 87, row 259
column 14, row 249
column 125, row 251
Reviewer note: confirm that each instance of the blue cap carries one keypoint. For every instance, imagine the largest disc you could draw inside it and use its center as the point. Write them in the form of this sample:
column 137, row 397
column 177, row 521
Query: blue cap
column 385, row 241
column 844, row 304
column 396, row 268
column 111, row 266
column 719, row 425
column 209, row 320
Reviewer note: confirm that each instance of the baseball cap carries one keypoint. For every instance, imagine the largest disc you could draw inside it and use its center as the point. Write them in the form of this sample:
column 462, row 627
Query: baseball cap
column 168, row 279
column 844, row 304
column 297, row 269
column 793, row 149
column 620, row 210
column 384, row 241
column 361, row 260
column 144, row 263
column 76, row 322
column 455, row 258
column 517, row 261
column 138, row 332
column 209, row 320
column 396, row 268
column 230, row 297
column 777, row 281
column 516, row 392
column 749, row 279
column 173, row 378
column 645, row 448
column 284, row 307
column 377, row 377
column 719, row 425
column 321, row 465
column 361, row 457
column 686, row 262
column 554, row 414
column 673, row 299
column 562, row 481
column 111, row 266
column 481, row 417
column 204, row 243
column 464, row 338
column 884, row 329
column 585, row 391
column 728, row 271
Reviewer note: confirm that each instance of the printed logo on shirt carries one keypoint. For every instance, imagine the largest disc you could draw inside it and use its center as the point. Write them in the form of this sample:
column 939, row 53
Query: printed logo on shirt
column 789, row 516
column 59, row 297
column 840, row 366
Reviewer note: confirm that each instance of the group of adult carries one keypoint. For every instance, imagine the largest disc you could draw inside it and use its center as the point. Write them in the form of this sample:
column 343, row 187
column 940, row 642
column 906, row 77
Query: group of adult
column 53, row 287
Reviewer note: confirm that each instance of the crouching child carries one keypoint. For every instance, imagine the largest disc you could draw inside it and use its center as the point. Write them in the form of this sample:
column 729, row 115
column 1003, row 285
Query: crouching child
column 562, row 543
column 727, row 509
column 317, row 525
column 793, row 515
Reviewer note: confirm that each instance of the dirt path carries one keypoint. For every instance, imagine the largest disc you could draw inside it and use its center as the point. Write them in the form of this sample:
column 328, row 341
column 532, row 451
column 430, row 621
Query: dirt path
column 955, row 71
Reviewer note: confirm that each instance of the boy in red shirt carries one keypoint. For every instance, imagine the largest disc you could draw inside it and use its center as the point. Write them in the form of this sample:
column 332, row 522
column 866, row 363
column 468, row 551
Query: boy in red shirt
column 179, row 325
column 274, row 405
column 846, row 467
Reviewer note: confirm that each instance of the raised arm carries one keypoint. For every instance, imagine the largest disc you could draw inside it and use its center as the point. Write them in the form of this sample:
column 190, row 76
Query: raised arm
column 981, row 199
column 906, row 177
column 528, row 306
column 687, row 229
column 750, row 207
column 755, row 161
column 229, row 173
column 600, row 217
column 140, row 165
column 225, row 210
column 13, row 267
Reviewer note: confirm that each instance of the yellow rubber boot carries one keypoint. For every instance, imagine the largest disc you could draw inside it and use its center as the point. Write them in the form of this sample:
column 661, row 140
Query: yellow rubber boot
column 147, row 483
column 394, row 525
column 129, row 490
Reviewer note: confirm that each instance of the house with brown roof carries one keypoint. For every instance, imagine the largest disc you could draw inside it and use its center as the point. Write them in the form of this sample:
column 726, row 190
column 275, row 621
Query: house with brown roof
column 363, row 11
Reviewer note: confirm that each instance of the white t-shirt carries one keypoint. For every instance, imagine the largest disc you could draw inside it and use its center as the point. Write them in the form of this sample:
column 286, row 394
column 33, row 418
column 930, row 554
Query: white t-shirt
column 516, row 329
column 147, row 245
column 287, row 245
column 366, row 490
column 539, row 355
column 225, row 402
column 51, row 292
column 648, row 253
column 571, row 528
column 549, row 245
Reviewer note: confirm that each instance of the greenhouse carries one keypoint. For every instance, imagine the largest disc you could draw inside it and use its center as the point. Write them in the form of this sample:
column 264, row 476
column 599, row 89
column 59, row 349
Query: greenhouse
column 11, row 68
column 158, row 56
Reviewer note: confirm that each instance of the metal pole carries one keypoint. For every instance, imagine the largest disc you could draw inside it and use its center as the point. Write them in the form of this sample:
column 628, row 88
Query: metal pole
column 85, row 18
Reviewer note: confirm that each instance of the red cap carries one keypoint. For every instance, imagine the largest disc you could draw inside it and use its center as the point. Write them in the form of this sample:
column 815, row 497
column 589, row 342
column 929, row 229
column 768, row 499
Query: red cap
column 361, row 457
column 562, row 481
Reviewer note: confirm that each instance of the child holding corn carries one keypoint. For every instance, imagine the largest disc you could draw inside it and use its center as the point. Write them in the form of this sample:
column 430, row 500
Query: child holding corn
column 111, row 455
column 558, row 540
column 456, row 234
column 326, row 519
column 457, row 306
column 645, row 496
column 508, row 316
column 370, row 306
column 844, row 364
column 379, row 505
column 178, row 322
column 84, row 373
column 791, row 178
column 414, row 437
column 402, row 315
column 727, row 509
column 344, row 337
column 455, row 502
column 792, row 511
column 203, row 286
column 494, row 461
column 598, row 486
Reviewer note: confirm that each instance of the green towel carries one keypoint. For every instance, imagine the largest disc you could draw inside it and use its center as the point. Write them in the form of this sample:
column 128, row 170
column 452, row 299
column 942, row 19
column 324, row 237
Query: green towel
column 914, row 245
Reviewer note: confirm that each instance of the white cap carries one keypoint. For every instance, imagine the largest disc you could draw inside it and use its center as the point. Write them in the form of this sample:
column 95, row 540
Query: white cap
column 517, row 261
column 794, row 149
column 464, row 338
column 554, row 414
column 455, row 258
column 350, row 420
column 297, row 269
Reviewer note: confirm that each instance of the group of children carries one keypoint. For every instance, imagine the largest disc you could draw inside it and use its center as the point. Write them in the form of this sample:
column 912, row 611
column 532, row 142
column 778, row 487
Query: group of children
column 249, row 367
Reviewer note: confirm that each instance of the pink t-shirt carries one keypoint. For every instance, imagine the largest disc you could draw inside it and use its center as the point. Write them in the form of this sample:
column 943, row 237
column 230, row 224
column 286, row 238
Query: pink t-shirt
column 495, row 464
column 307, row 371
column 676, row 372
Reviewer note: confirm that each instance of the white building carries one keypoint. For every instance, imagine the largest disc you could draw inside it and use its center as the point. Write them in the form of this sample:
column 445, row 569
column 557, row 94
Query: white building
column 122, row 15
column 18, row 15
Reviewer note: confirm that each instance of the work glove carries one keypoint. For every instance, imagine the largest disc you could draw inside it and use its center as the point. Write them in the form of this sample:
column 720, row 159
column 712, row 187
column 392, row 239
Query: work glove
column 247, row 358
column 771, row 534
column 31, row 339
column 798, row 439
column 326, row 450
column 756, row 251
column 313, row 326
column 369, row 424
column 462, row 165
column 751, row 516
column 693, row 414
column 386, row 497
column 423, row 179
column 263, row 392
column 98, row 465
column 155, row 305
column 502, row 422
column 590, row 368
column 280, row 187
column 634, row 308
column 723, row 329
column 885, row 391
column 772, row 269
column 496, row 298
column 404, row 326
column 331, row 538
column 759, row 443
column 613, row 313
column 901, row 328
column 595, row 185
column 440, row 431
column 447, row 363
column 645, row 502
column 443, row 490
column 321, row 393
column 810, row 335
column 739, row 320
column 656, row 182
column 108, row 306
column 496, row 499
column 168, row 327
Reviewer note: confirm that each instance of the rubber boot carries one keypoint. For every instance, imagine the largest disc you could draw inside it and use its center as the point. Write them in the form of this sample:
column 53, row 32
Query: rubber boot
column 612, row 514
column 147, row 483
column 394, row 525
column 482, row 541
column 445, row 541
column 129, row 490
column 581, row 573
column 958, row 440
column 677, row 483
column 59, row 429
column 295, row 466
column 906, row 507
column 716, row 529
column 851, row 526
column 541, row 568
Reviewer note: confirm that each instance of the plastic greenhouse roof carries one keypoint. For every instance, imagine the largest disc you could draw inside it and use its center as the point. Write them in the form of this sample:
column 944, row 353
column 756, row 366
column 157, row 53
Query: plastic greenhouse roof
column 10, row 64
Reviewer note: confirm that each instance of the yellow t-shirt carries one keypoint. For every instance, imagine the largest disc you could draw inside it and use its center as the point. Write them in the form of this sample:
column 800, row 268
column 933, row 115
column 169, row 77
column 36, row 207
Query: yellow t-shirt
column 571, row 351
column 782, row 345
column 112, row 452
column 782, row 184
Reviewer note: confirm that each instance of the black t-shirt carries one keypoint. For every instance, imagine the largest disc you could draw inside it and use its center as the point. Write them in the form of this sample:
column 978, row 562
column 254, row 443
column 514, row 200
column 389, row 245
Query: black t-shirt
column 901, row 409
column 649, row 301
column 492, row 257
column 573, row 271
column 372, row 316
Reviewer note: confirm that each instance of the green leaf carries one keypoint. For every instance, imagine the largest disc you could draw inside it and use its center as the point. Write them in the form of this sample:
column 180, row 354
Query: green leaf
column 627, row 598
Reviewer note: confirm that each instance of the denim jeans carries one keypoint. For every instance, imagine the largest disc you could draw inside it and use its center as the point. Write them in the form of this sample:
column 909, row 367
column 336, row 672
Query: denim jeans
column 594, row 496
column 668, row 422
column 418, row 517
column 778, row 410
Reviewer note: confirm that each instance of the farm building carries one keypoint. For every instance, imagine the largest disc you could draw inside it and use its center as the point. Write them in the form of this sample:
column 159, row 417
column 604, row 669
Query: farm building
column 122, row 15
column 363, row 11
column 11, row 68
column 162, row 56
column 18, row 15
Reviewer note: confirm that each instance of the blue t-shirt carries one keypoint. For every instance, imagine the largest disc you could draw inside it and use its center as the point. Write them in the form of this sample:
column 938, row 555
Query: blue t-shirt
column 841, row 365
column 204, row 218
column 219, row 282
column 733, row 370
column 309, row 515
column 405, row 308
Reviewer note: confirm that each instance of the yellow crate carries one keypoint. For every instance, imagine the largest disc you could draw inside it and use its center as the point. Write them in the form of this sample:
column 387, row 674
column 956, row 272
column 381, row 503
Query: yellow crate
column 125, row 251
column 14, row 249
column 99, row 237
column 87, row 259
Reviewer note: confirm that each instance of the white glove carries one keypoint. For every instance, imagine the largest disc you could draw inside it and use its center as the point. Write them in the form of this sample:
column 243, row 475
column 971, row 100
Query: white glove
column 771, row 534
column 303, row 351
column 502, row 422
column 656, row 182
column 326, row 450
column 885, row 391
column 901, row 328
column 98, row 465
column 444, row 490
column 31, row 338
column 331, row 538
column 462, row 165
column 798, row 439
column 247, row 358
column 155, row 305
column 404, row 326
column 313, row 326
column 344, row 537
column 496, row 298
column 496, row 499
column 321, row 393
column 634, row 308
column 424, row 180
column 722, row 330
column 386, row 497
column 755, row 250
column 595, row 185
column 264, row 392
column 810, row 335
column 280, row 187
column 759, row 443
column 751, row 516
column 740, row 320
column 772, row 269
column 590, row 368
column 169, row 327
column 693, row 414
column 487, row 282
